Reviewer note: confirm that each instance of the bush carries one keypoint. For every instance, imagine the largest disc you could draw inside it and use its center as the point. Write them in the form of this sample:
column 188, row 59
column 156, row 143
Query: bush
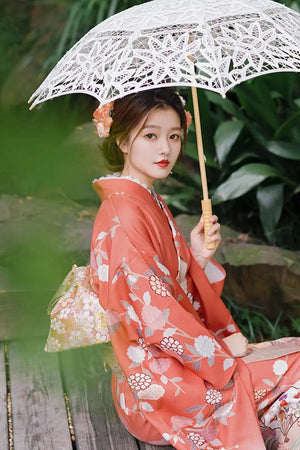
column 252, row 146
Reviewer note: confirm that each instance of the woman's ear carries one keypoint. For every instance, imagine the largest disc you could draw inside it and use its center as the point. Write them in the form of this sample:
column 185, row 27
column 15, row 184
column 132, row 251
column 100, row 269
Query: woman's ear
column 122, row 145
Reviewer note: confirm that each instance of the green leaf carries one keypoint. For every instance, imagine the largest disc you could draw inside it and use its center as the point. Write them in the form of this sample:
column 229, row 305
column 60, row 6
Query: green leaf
column 281, row 84
column 243, row 180
column 270, row 201
column 225, row 137
column 257, row 101
column 284, row 149
column 242, row 156
column 285, row 128
column 184, row 176
column 227, row 105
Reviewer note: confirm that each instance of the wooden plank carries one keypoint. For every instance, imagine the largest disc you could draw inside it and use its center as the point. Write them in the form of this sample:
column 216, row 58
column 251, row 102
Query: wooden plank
column 38, row 407
column 95, row 421
column 3, row 402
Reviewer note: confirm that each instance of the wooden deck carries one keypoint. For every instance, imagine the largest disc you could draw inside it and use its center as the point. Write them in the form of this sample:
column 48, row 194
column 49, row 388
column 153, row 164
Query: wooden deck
column 58, row 401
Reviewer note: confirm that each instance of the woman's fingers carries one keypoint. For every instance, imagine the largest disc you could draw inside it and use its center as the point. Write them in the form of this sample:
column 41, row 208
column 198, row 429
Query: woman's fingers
column 214, row 231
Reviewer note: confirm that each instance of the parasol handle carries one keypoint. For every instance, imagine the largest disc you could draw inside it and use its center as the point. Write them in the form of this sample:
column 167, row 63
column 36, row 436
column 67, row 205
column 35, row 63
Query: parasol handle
column 206, row 202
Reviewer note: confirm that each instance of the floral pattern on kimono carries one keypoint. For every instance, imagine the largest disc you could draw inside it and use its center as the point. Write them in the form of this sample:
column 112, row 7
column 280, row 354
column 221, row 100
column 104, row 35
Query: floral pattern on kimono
column 179, row 382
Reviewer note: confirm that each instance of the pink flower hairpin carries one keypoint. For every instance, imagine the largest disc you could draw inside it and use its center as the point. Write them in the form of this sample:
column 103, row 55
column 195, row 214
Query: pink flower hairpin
column 103, row 120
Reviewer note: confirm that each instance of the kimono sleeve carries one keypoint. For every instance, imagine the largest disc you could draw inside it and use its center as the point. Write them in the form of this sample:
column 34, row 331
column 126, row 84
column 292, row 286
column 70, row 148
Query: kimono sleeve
column 215, row 275
column 145, row 297
column 213, row 310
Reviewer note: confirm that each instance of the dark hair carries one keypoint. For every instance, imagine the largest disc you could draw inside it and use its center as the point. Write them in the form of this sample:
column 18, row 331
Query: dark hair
column 129, row 111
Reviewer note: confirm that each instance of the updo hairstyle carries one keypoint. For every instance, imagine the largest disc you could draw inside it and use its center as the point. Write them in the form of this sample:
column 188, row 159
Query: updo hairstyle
column 128, row 112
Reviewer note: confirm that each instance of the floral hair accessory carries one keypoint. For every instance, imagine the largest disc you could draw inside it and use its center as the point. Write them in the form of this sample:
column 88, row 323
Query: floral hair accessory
column 189, row 118
column 188, row 115
column 103, row 120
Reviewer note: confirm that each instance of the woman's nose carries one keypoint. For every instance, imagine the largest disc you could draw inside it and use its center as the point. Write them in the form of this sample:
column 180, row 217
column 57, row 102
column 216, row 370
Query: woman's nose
column 165, row 147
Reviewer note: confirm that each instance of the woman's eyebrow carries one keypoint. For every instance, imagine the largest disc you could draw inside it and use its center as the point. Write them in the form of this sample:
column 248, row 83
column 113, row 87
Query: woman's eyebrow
column 158, row 127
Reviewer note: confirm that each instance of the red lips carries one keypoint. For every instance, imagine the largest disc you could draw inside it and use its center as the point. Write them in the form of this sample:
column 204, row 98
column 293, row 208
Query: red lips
column 163, row 163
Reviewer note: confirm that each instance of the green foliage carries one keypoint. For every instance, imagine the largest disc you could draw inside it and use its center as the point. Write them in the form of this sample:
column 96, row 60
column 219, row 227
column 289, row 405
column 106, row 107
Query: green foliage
column 252, row 147
column 12, row 33
column 257, row 327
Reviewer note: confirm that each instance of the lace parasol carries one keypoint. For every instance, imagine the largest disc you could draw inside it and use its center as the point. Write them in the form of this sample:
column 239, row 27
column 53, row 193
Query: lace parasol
column 210, row 44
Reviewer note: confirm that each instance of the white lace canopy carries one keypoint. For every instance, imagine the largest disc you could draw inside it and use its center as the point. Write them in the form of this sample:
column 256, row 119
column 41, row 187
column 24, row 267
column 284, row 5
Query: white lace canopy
column 211, row 44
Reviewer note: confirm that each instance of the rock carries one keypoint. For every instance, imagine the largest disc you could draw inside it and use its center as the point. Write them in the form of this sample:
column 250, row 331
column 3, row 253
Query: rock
column 25, row 220
column 260, row 275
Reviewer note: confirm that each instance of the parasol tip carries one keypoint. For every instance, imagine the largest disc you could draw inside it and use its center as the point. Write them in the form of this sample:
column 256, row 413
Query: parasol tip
column 30, row 101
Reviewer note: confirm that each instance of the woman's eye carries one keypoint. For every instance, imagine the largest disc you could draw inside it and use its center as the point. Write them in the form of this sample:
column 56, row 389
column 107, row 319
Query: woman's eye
column 175, row 137
column 150, row 136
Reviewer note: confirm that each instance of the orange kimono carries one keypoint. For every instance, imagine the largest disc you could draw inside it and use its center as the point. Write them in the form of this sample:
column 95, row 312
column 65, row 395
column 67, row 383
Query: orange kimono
column 177, row 382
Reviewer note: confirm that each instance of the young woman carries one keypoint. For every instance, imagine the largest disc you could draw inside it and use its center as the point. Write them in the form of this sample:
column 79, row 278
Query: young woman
column 184, row 375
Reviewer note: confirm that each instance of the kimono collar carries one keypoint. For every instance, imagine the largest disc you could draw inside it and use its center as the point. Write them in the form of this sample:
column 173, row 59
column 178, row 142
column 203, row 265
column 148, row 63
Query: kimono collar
column 116, row 184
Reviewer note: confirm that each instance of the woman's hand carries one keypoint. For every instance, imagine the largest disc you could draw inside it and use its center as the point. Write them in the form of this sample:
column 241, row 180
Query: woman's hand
column 199, row 250
column 237, row 344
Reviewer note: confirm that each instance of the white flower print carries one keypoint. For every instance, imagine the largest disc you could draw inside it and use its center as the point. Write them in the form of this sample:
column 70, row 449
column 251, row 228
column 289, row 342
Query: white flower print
column 101, row 336
column 223, row 411
column 162, row 267
column 53, row 345
column 196, row 439
column 146, row 406
column 90, row 303
column 259, row 394
column 196, row 306
column 75, row 337
column 280, row 367
column 101, row 235
column 132, row 314
column 68, row 300
column 65, row 313
column 136, row 354
column 213, row 396
column 139, row 381
column 85, row 319
column 158, row 286
column 58, row 326
column 141, row 342
column 205, row 346
column 169, row 343
column 103, row 272
column 153, row 392
column 131, row 279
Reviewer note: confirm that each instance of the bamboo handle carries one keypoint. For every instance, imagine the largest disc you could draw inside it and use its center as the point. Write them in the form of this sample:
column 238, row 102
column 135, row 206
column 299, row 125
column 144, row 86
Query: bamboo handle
column 206, row 202
column 207, row 213
column 199, row 143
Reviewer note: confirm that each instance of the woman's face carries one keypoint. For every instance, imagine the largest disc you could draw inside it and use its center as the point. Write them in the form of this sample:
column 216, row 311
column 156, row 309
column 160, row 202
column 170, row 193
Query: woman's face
column 151, row 152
